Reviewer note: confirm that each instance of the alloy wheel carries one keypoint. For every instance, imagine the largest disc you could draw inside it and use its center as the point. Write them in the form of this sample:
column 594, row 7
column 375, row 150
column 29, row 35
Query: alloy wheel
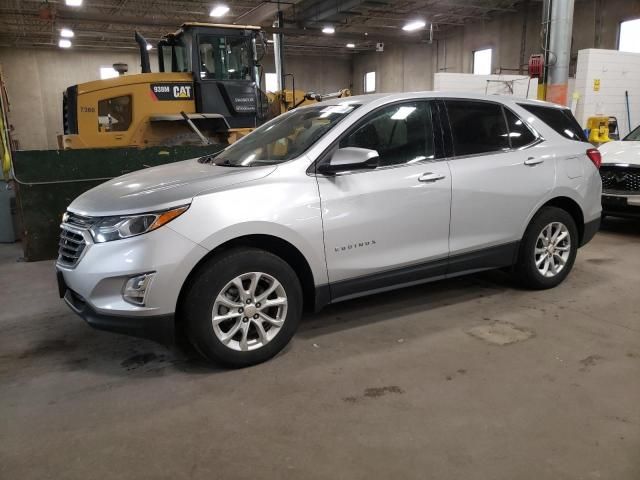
column 249, row 311
column 552, row 249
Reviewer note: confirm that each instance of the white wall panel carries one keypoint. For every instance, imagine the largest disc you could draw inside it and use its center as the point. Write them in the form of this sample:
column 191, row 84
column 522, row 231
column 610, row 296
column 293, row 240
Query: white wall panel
column 617, row 72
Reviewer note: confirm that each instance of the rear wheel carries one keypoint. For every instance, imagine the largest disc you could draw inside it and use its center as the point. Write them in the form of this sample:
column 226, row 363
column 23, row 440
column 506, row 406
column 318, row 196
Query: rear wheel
column 548, row 249
column 243, row 307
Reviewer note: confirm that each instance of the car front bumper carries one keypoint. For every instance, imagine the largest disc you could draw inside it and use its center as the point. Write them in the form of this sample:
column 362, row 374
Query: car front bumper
column 621, row 205
column 94, row 287
column 160, row 328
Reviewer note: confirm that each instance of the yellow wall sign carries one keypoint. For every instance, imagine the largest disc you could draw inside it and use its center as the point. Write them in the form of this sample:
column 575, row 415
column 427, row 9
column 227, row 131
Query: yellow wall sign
column 596, row 84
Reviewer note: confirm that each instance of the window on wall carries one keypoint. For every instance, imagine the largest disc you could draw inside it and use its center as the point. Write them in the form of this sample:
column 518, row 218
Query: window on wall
column 369, row 82
column 271, row 82
column 630, row 36
column 107, row 72
column 482, row 62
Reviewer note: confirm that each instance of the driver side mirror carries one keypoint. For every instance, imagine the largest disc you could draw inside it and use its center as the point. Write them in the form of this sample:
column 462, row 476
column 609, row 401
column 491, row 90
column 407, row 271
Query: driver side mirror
column 349, row 159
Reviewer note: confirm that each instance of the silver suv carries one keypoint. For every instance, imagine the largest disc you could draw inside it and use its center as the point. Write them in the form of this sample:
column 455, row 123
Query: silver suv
column 327, row 203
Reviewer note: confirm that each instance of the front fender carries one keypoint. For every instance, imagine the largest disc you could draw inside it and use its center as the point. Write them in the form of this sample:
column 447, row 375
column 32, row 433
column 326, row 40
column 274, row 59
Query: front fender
column 312, row 252
column 286, row 209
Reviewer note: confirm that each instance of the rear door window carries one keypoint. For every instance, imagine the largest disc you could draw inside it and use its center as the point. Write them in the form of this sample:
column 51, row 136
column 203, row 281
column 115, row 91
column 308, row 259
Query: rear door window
column 477, row 127
column 519, row 134
column 560, row 119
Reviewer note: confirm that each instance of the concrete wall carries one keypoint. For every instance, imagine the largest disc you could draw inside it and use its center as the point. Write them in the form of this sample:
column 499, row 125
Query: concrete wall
column 398, row 68
column 36, row 78
column 411, row 67
column 319, row 74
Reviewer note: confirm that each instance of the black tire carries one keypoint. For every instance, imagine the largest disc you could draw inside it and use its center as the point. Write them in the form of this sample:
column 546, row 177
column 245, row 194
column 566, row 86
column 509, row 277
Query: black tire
column 198, row 303
column 525, row 269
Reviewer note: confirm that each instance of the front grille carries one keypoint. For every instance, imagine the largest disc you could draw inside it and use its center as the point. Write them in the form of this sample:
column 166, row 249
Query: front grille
column 620, row 179
column 71, row 246
column 72, row 242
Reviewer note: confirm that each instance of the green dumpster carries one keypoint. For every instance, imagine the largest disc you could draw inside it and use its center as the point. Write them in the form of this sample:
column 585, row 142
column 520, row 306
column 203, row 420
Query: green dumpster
column 48, row 180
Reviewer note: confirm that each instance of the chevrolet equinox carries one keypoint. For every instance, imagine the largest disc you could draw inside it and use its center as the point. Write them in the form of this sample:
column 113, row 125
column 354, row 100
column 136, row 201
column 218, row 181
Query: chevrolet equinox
column 326, row 203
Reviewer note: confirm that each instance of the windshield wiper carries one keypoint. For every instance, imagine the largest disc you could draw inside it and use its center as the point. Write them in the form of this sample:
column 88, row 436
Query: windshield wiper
column 207, row 158
column 227, row 163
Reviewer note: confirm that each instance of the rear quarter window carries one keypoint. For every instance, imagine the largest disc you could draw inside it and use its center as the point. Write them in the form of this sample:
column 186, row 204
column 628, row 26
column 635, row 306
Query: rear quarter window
column 560, row 119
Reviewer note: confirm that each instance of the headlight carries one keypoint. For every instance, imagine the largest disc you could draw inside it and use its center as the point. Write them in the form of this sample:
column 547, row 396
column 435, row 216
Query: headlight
column 125, row 226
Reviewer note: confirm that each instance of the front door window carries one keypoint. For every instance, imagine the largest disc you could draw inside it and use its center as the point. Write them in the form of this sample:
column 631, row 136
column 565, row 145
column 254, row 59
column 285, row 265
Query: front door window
column 401, row 133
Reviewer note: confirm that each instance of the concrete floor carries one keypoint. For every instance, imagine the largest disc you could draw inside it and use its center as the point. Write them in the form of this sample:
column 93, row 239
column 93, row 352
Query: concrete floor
column 421, row 383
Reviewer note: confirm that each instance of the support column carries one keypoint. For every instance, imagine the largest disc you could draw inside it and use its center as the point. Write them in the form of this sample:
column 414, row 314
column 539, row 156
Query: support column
column 544, row 40
column 561, row 26
column 278, row 50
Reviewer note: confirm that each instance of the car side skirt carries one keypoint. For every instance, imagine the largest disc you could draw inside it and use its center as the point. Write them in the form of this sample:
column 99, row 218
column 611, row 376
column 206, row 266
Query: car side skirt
column 470, row 262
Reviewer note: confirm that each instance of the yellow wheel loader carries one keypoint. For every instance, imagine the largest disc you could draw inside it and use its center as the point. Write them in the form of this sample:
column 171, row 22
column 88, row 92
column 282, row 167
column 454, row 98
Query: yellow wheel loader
column 207, row 91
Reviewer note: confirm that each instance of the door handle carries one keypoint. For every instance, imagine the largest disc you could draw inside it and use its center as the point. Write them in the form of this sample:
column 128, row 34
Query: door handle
column 533, row 161
column 430, row 177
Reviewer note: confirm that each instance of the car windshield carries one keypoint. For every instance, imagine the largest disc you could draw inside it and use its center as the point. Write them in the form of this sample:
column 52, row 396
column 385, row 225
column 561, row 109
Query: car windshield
column 285, row 137
column 634, row 136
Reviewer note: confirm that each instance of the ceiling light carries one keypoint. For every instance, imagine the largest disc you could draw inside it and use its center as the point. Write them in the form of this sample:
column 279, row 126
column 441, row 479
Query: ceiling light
column 415, row 25
column 66, row 33
column 218, row 11
column 149, row 46
column 328, row 29
column 351, row 45
column 64, row 43
column 73, row 3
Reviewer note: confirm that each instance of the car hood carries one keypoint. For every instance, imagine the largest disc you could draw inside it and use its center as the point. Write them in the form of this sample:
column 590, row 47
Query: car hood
column 161, row 187
column 620, row 152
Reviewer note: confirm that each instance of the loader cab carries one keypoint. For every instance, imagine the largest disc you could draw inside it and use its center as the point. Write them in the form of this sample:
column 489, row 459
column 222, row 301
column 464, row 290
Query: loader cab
column 223, row 60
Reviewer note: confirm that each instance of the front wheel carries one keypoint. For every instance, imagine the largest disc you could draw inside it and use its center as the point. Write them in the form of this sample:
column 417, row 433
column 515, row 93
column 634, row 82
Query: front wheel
column 243, row 307
column 548, row 249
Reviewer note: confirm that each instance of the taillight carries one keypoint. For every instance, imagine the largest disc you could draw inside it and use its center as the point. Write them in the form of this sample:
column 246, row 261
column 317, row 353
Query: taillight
column 595, row 157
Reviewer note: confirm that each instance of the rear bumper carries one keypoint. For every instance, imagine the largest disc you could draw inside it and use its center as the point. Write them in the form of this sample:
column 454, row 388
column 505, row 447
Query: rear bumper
column 159, row 328
column 590, row 230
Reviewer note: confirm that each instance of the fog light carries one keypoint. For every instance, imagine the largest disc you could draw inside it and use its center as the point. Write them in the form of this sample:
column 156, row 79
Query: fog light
column 135, row 289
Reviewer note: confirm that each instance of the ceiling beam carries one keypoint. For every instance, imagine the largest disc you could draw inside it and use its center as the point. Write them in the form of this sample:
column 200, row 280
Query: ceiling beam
column 344, row 35
column 327, row 9
column 474, row 7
